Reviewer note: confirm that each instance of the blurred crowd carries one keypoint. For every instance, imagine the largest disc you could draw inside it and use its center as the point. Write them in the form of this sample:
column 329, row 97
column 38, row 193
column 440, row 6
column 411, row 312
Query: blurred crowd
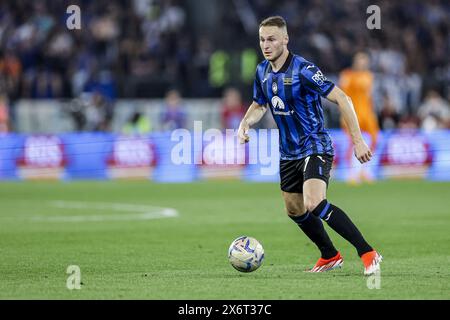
column 409, row 56
column 146, row 48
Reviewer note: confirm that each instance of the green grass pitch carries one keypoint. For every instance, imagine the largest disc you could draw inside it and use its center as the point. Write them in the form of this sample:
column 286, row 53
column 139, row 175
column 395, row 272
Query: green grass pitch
column 185, row 257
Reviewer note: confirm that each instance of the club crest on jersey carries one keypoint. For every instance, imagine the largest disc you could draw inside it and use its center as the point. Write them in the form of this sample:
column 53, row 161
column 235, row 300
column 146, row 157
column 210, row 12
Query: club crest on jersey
column 277, row 103
column 274, row 88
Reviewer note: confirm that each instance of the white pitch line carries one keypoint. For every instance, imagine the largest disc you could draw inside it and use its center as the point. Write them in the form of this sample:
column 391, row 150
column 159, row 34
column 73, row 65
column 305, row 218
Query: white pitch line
column 141, row 212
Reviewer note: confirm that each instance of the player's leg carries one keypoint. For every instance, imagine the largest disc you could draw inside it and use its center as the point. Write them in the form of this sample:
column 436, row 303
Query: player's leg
column 291, row 176
column 314, row 192
column 316, row 203
column 309, row 224
column 373, row 129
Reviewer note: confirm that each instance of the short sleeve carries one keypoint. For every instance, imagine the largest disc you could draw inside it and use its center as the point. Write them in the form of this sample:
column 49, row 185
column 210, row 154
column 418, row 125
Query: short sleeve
column 258, row 94
column 314, row 79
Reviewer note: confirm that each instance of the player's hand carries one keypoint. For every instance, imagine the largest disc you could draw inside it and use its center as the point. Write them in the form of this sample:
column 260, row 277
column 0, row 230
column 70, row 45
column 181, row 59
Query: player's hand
column 243, row 132
column 362, row 152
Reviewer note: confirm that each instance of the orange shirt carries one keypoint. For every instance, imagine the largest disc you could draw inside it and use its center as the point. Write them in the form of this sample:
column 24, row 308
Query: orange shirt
column 358, row 86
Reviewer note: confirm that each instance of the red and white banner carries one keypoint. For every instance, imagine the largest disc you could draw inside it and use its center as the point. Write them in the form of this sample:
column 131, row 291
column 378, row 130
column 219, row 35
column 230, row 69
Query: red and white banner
column 132, row 158
column 406, row 155
column 42, row 157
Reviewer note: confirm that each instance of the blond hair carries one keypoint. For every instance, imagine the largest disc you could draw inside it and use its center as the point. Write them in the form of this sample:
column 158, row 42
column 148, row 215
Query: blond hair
column 274, row 21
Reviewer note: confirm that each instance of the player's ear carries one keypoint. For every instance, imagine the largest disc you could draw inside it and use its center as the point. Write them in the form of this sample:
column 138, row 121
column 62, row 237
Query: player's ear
column 286, row 40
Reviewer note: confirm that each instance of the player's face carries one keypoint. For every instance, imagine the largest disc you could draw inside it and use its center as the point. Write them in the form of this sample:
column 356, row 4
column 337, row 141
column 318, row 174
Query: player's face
column 361, row 61
column 273, row 41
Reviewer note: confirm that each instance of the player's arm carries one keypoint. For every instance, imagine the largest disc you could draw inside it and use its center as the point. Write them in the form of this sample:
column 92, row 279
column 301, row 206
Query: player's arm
column 362, row 151
column 254, row 113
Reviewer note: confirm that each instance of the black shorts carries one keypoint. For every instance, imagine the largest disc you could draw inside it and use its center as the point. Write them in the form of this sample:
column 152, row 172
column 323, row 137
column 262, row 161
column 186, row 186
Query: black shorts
column 293, row 173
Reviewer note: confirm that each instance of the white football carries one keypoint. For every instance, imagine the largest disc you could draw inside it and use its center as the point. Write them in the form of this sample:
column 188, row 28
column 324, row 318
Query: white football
column 246, row 254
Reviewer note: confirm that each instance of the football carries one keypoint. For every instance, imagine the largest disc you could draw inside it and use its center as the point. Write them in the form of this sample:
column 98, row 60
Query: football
column 246, row 254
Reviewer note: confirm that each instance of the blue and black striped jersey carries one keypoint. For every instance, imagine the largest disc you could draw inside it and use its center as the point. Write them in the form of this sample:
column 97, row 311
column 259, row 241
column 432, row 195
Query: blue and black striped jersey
column 293, row 94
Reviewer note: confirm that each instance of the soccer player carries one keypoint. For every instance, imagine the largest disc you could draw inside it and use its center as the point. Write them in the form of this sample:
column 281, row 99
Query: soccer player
column 292, row 88
column 357, row 83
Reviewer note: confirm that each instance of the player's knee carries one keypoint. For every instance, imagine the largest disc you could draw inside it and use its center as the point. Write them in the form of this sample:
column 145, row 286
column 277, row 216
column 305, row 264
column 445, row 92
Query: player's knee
column 294, row 213
column 296, row 216
column 295, row 210
column 311, row 203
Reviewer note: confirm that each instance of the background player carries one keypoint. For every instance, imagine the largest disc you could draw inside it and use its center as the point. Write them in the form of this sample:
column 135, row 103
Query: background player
column 292, row 87
column 357, row 83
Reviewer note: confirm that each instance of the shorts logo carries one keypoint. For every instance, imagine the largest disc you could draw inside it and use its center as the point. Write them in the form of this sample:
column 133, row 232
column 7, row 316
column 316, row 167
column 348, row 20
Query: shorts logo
column 277, row 103
column 274, row 88
column 321, row 159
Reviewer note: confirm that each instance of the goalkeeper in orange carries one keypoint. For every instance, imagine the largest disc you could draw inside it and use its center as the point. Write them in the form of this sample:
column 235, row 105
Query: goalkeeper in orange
column 357, row 83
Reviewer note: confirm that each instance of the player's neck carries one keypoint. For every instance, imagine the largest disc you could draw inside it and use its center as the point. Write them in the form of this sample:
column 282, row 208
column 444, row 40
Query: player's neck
column 278, row 63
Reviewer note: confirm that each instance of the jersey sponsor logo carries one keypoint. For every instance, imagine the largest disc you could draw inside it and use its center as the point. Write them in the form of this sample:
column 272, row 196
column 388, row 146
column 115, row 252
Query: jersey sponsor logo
column 277, row 103
column 319, row 78
column 283, row 113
